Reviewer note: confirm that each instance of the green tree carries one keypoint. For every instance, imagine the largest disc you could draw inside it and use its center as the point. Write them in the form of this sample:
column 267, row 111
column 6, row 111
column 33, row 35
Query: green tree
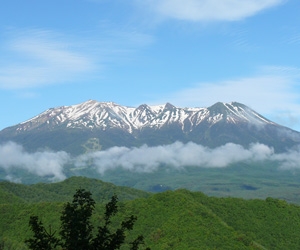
column 42, row 239
column 77, row 231
column 1, row 245
column 105, row 239
column 76, row 228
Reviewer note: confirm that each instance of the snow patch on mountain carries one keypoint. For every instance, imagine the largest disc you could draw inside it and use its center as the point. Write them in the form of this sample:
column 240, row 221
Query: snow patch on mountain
column 105, row 115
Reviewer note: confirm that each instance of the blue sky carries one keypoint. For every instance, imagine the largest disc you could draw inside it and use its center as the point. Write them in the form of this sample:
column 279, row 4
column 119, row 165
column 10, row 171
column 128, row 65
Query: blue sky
column 187, row 52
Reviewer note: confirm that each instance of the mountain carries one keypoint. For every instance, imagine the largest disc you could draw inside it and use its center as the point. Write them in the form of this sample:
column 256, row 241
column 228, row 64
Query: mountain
column 96, row 125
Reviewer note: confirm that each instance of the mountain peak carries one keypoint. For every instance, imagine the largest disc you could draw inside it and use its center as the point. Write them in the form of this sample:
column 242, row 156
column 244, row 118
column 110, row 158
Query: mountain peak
column 169, row 106
column 105, row 115
column 236, row 112
column 143, row 107
column 218, row 107
column 90, row 101
column 111, row 124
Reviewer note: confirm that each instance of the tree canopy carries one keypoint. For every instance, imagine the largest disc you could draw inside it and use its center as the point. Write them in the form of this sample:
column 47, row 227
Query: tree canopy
column 76, row 230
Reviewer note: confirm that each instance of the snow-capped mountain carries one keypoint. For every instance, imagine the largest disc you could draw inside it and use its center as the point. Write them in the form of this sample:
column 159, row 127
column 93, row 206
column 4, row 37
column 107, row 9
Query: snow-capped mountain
column 107, row 115
column 71, row 128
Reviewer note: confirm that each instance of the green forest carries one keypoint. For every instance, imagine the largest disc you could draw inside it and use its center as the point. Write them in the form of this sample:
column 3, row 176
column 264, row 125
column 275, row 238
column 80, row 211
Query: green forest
column 178, row 219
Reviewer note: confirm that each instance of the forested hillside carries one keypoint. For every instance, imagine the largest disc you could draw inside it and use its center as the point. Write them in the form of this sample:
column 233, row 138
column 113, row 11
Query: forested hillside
column 63, row 191
column 169, row 220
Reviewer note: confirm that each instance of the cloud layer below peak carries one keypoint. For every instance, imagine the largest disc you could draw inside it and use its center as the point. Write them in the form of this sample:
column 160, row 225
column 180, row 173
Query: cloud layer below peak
column 177, row 156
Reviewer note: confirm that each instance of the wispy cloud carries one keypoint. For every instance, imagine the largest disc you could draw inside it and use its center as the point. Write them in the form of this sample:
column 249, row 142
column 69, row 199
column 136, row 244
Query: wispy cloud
column 240, row 40
column 117, row 42
column 266, row 92
column 209, row 10
column 292, row 36
column 275, row 90
column 38, row 58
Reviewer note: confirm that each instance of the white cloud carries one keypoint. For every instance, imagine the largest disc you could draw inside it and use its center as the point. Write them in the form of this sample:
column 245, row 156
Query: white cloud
column 209, row 10
column 176, row 155
column 267, row 92
column 36, row 58
column 288, row 160
column 13, row 156
column 143, row 159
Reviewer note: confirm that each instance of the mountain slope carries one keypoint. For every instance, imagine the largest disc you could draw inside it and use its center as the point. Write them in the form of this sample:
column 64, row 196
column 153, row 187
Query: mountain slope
column 174, row 220
column 105, row 124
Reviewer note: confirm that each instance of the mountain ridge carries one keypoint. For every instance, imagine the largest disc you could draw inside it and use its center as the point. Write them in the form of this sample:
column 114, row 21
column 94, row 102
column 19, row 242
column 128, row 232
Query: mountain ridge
column 70, row 127
column 92, row 114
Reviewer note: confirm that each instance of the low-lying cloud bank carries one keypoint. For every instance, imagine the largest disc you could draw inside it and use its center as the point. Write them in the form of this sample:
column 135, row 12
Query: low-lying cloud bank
column 176, row 155
column 143, row 159
column 45, row 163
